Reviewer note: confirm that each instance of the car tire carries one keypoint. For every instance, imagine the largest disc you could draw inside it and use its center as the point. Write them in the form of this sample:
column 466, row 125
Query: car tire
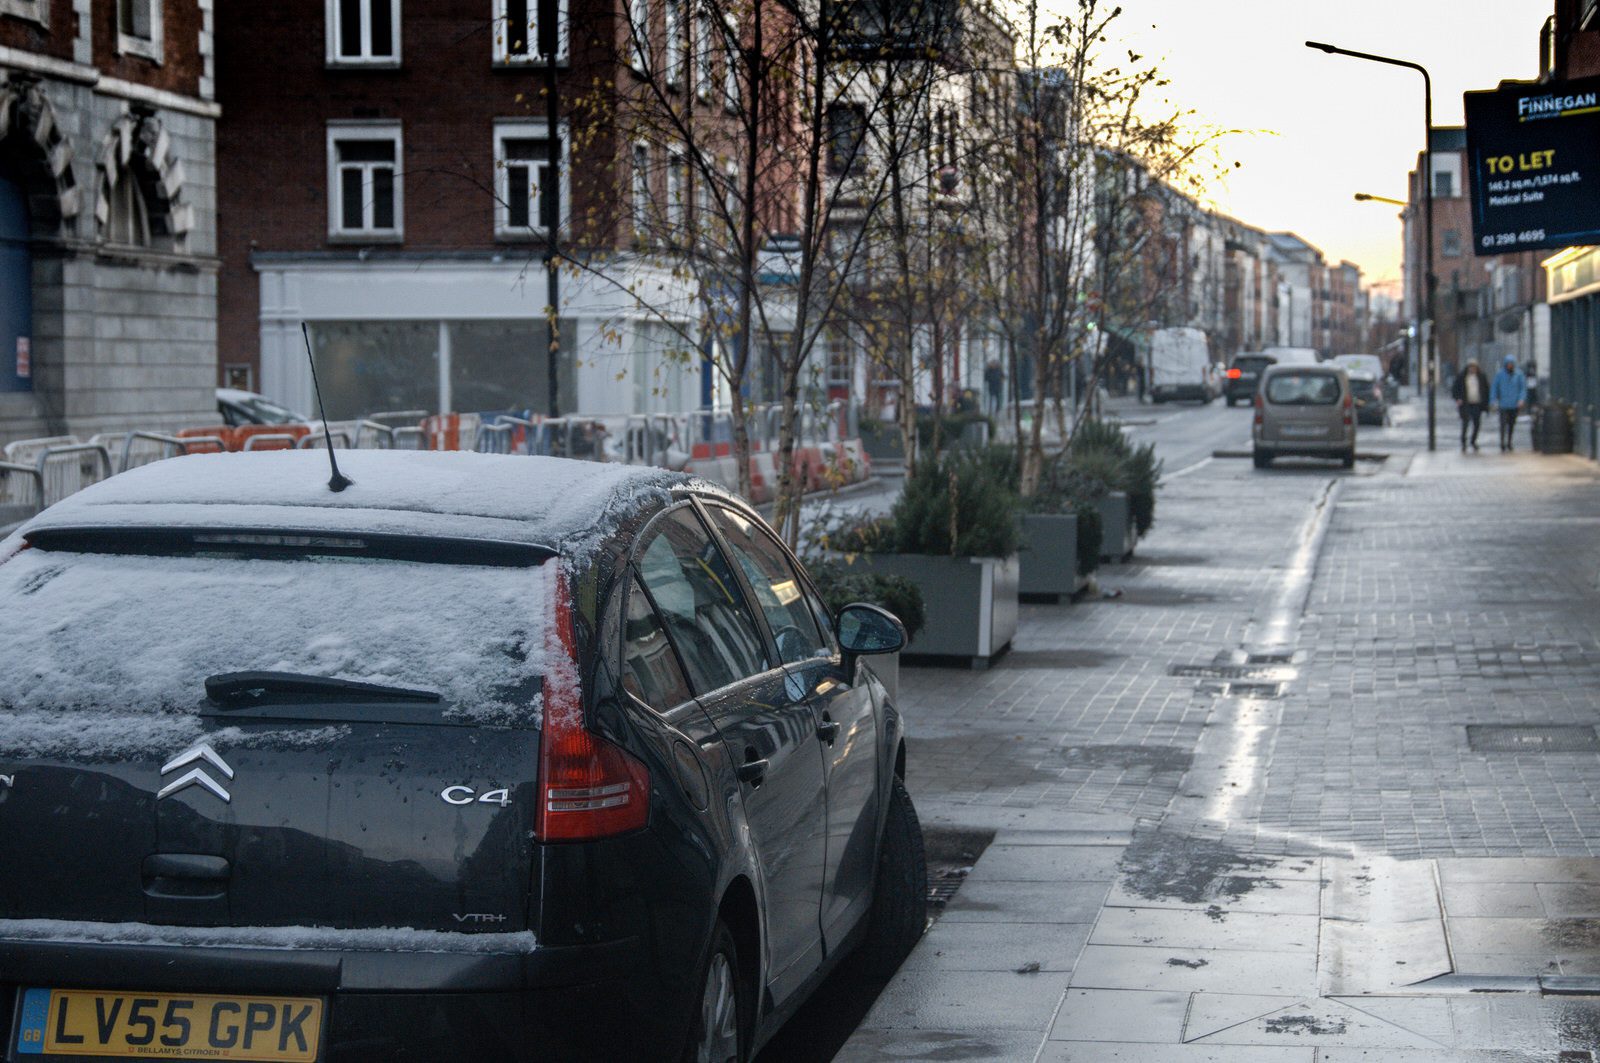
column 899, row 913
column 1230, row 402
column 1262, row 459
column 720, row 1030
column 1348, row 460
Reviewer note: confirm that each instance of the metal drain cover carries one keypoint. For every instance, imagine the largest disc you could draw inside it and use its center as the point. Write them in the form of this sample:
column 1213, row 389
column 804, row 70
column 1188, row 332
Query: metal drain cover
column 1237, row 688
column 1225, row 671
column 1531, row 738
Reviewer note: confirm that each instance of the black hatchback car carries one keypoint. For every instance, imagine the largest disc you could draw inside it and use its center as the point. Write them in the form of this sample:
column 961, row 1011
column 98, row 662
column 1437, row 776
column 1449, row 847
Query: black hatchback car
column 487, row 758
column 1244, row 377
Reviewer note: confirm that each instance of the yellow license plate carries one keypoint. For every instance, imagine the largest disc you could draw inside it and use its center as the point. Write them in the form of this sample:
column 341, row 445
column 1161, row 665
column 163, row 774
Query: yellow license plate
column 80, row 1022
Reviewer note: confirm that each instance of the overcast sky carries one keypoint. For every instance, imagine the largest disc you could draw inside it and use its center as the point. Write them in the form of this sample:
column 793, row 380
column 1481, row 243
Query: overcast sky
column 1331, row 126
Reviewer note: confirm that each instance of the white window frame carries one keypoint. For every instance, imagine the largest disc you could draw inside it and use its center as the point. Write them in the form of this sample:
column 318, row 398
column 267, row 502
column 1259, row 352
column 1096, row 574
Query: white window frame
column 504, row 32
column 638, row 29
column 331, row 36
column 675, row 50
column 32, row 10
column 365, row 130
column 527, row 129
column 128, row 44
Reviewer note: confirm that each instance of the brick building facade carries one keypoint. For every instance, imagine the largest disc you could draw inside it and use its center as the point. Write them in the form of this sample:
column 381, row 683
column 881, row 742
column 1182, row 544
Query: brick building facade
column 107, row 215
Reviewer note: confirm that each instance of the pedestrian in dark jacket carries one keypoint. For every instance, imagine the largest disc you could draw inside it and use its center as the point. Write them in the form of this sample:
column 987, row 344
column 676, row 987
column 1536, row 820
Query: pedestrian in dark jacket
column 1471, row 392
column 1508, row 394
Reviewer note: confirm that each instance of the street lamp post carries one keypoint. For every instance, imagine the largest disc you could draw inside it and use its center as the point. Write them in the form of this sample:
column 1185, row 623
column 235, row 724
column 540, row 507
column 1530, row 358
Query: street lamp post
column 1425, row 313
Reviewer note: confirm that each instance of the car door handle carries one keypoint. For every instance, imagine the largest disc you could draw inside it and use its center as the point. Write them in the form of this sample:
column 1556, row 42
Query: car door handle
column 753, row 772
column 828, row 729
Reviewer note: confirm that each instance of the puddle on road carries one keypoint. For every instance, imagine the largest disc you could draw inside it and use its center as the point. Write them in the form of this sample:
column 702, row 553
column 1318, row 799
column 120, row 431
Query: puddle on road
column 1155, row 758
column 1160, row 866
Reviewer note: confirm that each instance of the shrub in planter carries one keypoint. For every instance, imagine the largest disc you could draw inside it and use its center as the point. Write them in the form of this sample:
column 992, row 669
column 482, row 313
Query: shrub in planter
column 840, row 585
column 1100, row 453
column 953, row 506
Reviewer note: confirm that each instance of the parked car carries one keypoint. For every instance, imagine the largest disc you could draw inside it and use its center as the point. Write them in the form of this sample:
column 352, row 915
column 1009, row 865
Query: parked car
column 1305, row 411
column 1366, row 363
column 1372, row 406
column 1244, row 376
column 246, row 407
column 1294, row 355
column 480, row 758
column 1180, row 366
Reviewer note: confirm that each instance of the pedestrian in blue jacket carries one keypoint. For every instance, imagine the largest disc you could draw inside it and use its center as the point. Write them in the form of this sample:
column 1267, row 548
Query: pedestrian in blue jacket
column 1508, row 394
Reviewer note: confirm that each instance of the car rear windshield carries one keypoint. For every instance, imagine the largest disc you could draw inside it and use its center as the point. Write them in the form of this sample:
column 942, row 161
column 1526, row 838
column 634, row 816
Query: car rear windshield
column 1251, row 365
column 1362, row 387
column 140, row 632
column 1303, row 389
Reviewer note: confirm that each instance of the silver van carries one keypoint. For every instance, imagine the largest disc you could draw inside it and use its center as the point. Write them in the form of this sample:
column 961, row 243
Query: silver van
column 1305, row 411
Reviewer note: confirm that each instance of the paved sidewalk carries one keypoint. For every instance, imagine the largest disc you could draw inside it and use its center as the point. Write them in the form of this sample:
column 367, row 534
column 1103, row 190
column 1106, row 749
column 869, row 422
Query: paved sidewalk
column 1333, row 850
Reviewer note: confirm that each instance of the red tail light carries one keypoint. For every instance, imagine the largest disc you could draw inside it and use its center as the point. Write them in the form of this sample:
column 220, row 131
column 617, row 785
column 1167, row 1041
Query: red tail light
column 589, row 788
column 1261, row 405
column 1235, row 374
column 1349, row 405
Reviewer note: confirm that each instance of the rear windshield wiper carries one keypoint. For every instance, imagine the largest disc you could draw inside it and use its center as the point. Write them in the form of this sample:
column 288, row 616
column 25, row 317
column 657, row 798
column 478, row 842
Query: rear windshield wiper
column 238, row 689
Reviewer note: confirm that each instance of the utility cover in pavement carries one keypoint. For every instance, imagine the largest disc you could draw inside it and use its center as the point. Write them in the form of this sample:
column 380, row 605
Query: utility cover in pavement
column 1534, row 738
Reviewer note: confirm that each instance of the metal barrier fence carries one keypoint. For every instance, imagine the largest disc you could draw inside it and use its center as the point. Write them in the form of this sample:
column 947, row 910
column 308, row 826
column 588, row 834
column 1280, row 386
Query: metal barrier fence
column 36, row 473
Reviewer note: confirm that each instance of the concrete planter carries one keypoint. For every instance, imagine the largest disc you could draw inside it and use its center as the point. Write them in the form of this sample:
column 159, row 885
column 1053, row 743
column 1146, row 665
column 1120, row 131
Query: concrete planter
column 1116, row 527
column 1048, row 563
column 969, row 603
column 883, row 442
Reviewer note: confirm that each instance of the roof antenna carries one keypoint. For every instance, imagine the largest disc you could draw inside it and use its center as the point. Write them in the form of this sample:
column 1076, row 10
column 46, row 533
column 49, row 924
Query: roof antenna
column 338, row 481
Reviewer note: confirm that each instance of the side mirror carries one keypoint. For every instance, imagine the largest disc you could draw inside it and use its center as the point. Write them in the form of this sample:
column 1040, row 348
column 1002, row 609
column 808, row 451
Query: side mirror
column 866, row 629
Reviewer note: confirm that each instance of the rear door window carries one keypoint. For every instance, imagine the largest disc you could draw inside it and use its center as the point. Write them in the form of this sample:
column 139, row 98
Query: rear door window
column 650, row 668
column 776, row 586
column 1251, row 365
column 1303, row 389
column 699, row 600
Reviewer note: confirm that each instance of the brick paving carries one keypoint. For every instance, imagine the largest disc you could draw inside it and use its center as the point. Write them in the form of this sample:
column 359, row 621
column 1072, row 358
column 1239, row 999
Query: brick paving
column 1334, row 873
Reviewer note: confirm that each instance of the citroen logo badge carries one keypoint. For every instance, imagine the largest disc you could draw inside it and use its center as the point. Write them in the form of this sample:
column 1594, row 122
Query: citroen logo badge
column 196, row 776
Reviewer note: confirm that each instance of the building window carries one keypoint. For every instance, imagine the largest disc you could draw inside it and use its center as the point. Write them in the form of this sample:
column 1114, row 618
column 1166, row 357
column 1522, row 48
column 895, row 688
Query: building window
column 139, row 28
column 704, row 76
column 1444, row 185
column 363, row 32
column 847, row 128
column 674, row 54
column 639, row 34
column 1450, row 246
column 516, row 35
column 128, row 220
column 32, row 10
column 730, row 69
column 364, row 182
column 527, row 200
column 641, row 193
column 677, row 197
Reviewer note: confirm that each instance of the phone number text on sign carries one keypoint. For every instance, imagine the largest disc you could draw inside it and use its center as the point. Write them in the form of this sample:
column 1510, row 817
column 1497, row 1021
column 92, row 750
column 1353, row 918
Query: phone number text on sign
column 1505, row 239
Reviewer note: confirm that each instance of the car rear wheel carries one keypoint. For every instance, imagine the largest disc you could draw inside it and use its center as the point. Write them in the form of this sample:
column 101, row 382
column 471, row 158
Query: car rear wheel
column 720, row 1033
column 1262, row 459
column 900, row 892
column 1349, row 458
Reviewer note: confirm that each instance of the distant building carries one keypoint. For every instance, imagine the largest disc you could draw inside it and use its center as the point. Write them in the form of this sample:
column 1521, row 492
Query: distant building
column 1485, row 307
column 1302, row 288
column 107, row 215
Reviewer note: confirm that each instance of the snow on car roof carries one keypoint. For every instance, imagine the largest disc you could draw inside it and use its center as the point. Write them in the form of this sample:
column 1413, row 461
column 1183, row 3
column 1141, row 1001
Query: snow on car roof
column 567, row 505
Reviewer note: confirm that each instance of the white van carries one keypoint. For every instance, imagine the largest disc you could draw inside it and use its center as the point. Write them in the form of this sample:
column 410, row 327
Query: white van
column 1180, row 366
